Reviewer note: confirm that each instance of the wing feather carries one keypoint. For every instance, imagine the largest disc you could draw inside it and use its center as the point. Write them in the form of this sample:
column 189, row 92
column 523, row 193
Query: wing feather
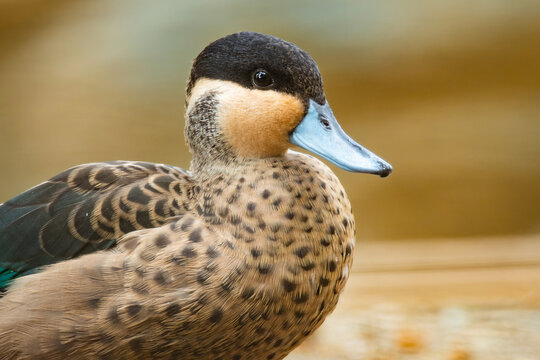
column 85, row 209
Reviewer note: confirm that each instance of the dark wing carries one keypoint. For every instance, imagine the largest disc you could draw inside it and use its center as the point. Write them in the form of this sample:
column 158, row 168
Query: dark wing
column 85, row 209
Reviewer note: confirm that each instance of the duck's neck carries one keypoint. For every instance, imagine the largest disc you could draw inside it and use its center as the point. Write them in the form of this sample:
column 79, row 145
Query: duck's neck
column 205, row 168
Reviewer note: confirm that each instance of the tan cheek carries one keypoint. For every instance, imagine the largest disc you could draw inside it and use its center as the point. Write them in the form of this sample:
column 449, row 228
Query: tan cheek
column 257, row 123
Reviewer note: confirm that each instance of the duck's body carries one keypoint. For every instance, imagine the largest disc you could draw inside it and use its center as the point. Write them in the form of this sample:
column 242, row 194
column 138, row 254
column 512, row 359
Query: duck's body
column 241, row 258
column 260, row 255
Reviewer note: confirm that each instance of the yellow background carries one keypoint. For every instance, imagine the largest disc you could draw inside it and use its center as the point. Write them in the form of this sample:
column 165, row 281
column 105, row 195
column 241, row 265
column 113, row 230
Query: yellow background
column 447, row 91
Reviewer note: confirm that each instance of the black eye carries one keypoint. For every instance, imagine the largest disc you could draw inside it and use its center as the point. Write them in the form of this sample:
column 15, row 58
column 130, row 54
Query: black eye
column 262, row 79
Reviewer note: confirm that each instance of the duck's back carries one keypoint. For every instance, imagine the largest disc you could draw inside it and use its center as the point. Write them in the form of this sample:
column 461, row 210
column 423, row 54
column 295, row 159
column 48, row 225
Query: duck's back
column 86, row 209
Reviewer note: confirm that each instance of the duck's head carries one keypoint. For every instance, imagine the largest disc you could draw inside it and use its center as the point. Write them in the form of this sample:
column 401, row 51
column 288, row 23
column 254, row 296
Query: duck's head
column 252, row 96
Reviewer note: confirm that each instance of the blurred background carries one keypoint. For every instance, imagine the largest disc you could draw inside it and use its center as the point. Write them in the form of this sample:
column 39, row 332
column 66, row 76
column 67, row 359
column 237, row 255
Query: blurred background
column 448, row 261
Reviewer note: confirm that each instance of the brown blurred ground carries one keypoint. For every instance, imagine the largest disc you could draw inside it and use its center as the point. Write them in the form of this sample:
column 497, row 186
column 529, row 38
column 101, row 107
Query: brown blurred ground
column 448, row 92
column 458, row 299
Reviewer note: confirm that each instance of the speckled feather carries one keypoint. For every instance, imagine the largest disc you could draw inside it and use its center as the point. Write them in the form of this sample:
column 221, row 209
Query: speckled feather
column 240, row 258
column 261, row 259
column 85, row 209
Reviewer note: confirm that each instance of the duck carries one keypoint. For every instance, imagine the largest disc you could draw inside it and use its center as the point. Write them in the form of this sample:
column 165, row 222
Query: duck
column 241, row 257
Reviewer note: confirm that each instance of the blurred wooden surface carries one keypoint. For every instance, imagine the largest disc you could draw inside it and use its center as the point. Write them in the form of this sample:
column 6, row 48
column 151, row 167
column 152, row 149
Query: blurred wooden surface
column 448, row 299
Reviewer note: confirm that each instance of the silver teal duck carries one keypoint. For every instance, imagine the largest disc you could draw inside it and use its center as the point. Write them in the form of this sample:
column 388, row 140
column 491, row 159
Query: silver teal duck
column 241, row 257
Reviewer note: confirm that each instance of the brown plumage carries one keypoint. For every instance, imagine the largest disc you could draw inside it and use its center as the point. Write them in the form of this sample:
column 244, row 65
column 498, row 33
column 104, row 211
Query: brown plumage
column 241, row 258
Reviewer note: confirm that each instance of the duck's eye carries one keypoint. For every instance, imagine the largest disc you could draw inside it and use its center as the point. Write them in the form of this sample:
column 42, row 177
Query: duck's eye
column 262, row 79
